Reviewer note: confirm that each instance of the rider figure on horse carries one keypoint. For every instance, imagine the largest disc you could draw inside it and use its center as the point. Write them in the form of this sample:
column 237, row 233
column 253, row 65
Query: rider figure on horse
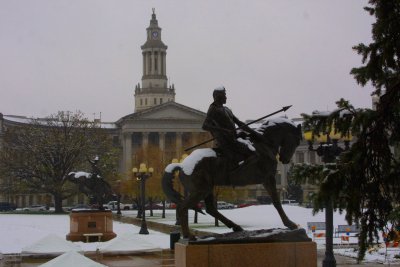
column 220, row 122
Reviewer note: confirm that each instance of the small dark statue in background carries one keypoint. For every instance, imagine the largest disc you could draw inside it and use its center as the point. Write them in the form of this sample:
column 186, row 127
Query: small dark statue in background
column 93, row 185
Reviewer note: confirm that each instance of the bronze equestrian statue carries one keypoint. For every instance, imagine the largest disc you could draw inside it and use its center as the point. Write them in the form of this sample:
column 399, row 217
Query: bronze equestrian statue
column 205, row 168
column 93, row 185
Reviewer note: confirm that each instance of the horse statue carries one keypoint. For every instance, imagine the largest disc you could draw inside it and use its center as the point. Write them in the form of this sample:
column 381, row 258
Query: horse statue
column 203, row 169
column 93, row 185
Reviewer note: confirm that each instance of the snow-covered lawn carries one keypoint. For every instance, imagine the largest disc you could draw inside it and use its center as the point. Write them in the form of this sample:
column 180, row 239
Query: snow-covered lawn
column 18, row 231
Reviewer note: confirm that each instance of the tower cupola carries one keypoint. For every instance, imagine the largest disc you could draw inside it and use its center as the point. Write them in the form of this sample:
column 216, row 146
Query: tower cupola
column 154, row 89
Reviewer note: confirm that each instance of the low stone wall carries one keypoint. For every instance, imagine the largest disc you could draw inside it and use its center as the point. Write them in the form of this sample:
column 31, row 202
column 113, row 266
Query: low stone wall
column 160, row 227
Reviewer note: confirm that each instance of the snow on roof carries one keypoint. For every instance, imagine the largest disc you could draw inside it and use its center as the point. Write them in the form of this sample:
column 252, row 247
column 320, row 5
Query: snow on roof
column 342, row 113
column 51, row 244
column 72, row 258
column 27, row 120
column 321, row 113
column 127, row 243
column 190, row 161
column 80, row 174
column 15, row 118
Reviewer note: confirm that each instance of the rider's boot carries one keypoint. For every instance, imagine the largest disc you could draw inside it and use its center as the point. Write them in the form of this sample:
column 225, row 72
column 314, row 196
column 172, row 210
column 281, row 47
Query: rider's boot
column 247, row 161
column 253, row 158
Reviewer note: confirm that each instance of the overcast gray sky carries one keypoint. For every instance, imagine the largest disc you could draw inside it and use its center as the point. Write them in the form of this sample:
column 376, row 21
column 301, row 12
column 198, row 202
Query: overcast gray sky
column 85, row 55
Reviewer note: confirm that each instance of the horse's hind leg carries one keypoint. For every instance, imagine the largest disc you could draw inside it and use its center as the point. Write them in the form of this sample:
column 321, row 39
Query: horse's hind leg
column 212, row 210
column 182, row 212
column 270, row 186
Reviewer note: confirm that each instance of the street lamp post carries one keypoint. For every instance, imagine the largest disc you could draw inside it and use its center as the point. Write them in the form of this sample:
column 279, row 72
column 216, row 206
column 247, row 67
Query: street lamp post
column 142, row 175
column 328, row 150
column 119, row 197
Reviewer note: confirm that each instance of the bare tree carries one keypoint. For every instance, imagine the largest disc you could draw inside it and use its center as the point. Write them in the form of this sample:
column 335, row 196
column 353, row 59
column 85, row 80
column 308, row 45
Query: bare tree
column 40, row 154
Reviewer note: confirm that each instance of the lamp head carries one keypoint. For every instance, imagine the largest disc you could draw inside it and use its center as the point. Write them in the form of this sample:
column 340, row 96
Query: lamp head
column 308, row 136
column 322, row 138
column 142, row 168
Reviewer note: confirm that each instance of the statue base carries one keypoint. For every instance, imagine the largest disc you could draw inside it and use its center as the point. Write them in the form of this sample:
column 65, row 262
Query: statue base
column 91, row 225
column 274, row 247
column 298, row 254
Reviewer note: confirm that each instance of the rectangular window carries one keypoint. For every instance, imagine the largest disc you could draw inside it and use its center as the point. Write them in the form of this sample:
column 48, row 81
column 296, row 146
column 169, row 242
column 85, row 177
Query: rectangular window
column 278, row 178
column 115, row 140
column 155, row 101
column 160, row 100
column 299, row 157
column 145, row 101
column 312, row 157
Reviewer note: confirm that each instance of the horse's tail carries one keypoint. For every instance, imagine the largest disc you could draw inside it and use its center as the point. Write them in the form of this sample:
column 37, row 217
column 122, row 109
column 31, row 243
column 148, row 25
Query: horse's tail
column 167, row 183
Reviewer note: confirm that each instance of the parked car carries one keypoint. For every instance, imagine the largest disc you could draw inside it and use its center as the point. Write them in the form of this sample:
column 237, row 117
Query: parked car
column 7, row 206
column 113, row 205
column 222, row 205
column 290, row 202
column 172, row 205
column 248, row 203
column 35, row 208
column 154, row 206
column 79, row 206
column 264, row 200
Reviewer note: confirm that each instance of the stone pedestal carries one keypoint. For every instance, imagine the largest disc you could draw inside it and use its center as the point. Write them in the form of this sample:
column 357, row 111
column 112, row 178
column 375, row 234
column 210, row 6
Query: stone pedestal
column 90, row 222
column 293, row 254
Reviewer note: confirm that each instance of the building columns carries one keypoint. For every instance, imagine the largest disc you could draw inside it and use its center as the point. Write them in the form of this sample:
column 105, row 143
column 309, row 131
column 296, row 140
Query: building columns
column 144, row 63
column 178, row 144
column 164, row 55
column 127, row 153
column 161, row 141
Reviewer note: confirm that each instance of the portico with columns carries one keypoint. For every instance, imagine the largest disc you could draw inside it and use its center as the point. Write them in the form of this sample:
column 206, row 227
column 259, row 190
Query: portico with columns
column 171, row 127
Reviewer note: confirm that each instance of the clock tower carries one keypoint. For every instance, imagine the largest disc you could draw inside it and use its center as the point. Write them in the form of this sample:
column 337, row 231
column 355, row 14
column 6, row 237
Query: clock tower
column 154, row 89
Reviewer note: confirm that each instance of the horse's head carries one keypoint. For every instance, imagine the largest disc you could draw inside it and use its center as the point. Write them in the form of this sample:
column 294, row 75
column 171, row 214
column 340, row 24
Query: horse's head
column 289, row 142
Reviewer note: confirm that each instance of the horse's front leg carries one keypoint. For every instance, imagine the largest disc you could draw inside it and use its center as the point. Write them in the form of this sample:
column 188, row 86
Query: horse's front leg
column 182, row 212
column 213, row 211
column 270, row 186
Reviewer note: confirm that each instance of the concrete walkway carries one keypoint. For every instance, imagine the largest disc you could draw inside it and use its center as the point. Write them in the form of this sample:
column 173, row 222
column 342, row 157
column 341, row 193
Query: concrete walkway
column 343, row 261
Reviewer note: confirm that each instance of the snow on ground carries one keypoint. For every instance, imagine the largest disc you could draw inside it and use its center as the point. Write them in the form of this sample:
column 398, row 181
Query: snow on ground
column 250, row 218
column 72, row 258
column 18, row 230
